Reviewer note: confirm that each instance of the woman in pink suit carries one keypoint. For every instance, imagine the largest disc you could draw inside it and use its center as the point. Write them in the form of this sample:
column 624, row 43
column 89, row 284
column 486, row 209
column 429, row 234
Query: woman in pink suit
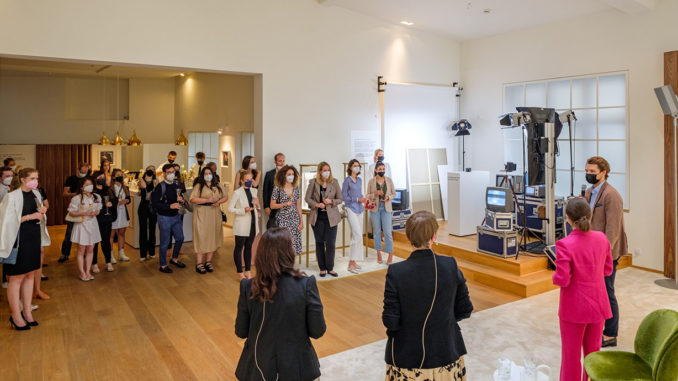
column 583, row 261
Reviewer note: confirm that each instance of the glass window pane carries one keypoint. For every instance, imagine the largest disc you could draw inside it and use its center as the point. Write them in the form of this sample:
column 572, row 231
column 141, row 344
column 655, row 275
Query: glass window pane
column 562, row 183
column 618, row 181
column 421, row 198
column 437, row 201
column 582, row 151
column 535, row 95
column 418, row 166
column 563, row 157
column 565, row 132
column 513, row 152
column 559, row 94
column 614, row 153
column 585, row 127
column 612, row 90
column 513, row 97
column 612, row 123
column 437, row 156
column 584, row 92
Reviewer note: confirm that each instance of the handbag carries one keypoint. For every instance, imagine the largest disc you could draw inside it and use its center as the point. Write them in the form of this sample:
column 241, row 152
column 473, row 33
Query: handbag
column 74, row 219
column 11, row 260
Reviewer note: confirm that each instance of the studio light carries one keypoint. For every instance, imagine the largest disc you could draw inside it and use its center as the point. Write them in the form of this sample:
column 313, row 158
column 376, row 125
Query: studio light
column 462, row 127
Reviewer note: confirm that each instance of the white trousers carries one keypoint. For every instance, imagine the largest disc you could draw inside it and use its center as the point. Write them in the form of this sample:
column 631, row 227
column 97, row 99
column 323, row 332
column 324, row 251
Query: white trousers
column 355, row 220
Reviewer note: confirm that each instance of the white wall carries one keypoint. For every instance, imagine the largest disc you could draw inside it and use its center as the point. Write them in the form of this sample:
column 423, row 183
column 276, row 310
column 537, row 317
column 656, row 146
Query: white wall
column 608, row 41
column 33, row 110
column 318, row 63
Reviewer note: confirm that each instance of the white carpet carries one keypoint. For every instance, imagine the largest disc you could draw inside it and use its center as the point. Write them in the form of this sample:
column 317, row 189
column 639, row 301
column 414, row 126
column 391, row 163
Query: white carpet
column 368, row 264
column 525, row 328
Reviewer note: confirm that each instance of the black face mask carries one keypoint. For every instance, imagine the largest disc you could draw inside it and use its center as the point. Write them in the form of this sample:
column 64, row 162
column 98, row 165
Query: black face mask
column 118, row 179
column 591, row 178
column 380, row 158
column 150, row 173
column 200, row 162
column 381, row 173
column 171, row 161
column 101, row 181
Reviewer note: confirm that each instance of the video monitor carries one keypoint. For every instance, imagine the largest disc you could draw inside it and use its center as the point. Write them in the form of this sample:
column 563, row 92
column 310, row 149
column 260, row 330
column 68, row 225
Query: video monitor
column 499, row 200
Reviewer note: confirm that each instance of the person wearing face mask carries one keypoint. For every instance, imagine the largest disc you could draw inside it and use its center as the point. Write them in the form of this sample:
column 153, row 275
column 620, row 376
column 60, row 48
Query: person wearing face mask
column 9, row 163
column 352, row 194
column 122, row 198
column 378, row 157
column 21, row 228
column 147, row 219
column 269, row 184
column 380, row 191
column 171, row 159
column 286, row 200
column 86, row 205
column 7, row 177
column 323, row 195
column 249, row 164
column 105, row 167
column 167, row 203
column 245, row 207
column 70, row 190
column 196, row 168
column 607, row 208
column 105, row 218
column 208, row 231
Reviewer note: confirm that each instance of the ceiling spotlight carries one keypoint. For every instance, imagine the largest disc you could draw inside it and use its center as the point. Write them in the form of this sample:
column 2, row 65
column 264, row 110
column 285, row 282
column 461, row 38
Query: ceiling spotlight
column 407, row 23
column 487, row 11
column 182, row 74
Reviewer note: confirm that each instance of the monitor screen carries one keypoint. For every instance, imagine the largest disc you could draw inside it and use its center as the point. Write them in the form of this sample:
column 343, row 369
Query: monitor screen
column 499, row 200
column 496, row 197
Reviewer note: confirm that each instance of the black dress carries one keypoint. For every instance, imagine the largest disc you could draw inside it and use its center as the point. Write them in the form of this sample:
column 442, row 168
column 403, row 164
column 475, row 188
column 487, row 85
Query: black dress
column 28, row 258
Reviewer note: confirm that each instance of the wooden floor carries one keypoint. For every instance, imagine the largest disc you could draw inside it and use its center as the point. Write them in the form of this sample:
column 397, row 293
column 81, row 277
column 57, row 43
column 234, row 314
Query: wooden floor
column 137, row 323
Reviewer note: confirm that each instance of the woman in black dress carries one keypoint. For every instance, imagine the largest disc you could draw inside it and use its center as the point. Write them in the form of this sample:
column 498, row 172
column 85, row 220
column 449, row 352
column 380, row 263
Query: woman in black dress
column 26, row 226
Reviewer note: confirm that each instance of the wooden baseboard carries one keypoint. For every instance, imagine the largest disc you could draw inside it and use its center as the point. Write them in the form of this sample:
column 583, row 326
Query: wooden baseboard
column 646, row 269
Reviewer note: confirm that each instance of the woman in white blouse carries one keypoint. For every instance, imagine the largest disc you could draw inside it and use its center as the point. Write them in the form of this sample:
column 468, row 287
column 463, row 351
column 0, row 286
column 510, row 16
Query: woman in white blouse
column 85, row 206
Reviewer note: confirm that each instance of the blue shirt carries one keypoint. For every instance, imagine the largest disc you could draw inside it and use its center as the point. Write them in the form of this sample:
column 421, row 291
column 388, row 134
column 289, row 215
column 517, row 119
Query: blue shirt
column 351, row 191
column 594, row 195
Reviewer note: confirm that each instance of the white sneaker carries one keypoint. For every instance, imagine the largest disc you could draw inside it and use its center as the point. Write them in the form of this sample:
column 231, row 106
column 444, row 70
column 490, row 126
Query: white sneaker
column 95, row 269
column 5, row 284
column 122, row 256
column 143, row 259
column 34, row 307
column 113, row 261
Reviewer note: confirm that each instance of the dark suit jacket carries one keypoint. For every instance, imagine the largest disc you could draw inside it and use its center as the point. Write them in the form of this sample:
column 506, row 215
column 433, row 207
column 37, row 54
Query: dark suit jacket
column 269, row 184
column 407, row 300
column 284, row 349
column 608, row 217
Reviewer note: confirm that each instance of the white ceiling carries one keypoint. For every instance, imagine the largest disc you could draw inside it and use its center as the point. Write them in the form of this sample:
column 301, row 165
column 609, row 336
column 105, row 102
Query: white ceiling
column 465, row 19
column 32, row 67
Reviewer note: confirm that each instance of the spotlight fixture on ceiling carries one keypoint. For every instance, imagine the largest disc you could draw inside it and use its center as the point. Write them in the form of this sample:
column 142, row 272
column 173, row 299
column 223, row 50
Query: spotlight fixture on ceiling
column 407, row 23
column 487, row 11
column 181, row 74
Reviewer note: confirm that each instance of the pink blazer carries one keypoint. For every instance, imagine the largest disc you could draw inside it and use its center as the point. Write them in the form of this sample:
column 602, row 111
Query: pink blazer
column 583, row 260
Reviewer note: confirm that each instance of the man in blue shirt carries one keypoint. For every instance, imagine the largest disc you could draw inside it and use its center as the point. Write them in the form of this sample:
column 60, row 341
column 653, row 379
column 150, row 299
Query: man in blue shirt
column 166, row 202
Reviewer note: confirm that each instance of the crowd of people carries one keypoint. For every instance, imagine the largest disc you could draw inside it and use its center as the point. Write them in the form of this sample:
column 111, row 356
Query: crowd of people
column 424, row 298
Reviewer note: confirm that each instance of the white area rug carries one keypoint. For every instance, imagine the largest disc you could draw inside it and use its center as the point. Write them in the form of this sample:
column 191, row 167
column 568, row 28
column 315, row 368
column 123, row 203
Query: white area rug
column 368, row 264
column 525, row 328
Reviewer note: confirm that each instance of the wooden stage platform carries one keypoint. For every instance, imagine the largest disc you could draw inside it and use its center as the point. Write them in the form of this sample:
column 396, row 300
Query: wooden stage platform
column 526, row 276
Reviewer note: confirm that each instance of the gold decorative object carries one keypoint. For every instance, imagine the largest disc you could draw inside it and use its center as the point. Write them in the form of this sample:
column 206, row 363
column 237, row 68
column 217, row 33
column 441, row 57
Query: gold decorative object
column 118, row 140
column 134, row 140
column 181, row 140
column 104, row 141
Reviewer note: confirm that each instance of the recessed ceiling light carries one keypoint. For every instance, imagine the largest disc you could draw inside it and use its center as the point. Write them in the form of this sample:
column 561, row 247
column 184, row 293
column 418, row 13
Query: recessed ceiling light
column 181, row 74
column 487, row 11
column 408, row 23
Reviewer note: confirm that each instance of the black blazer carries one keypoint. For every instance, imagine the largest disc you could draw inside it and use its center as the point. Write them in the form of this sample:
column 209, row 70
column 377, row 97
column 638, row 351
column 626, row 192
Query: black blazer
column 269, row 184
column 407, row 300
column 284, row 349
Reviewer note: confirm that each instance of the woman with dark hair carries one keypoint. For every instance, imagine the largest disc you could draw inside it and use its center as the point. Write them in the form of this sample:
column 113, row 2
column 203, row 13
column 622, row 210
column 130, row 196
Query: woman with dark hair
column 245, row 207
column 380, row 191
column 21, row 214
column 584, row 260
column 147, row 219
column 287, row 200
column 105, row 218
column 278, row 311
column 208, row 231
column 352, row 194
column 122, row 198
column 249, row 164
column 86, row 206
column 105, row 167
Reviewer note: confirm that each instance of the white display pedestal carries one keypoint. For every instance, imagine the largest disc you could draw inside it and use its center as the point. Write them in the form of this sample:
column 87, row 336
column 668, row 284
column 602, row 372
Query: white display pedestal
column 466, row 198
column 132, row 232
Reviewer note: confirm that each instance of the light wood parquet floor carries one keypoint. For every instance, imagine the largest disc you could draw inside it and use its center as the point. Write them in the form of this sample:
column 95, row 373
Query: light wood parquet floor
column 139, row 324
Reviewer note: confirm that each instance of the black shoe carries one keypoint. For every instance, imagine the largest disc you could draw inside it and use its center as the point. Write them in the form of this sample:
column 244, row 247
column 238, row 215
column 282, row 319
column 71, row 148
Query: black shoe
column 333, row 273
column 166, row 270
column 200, row 269
column 30, row 323
column 62, row 259
column 177, row 263
column 44, row 277
column 322, row 275
column 370, row 235
column 16, row 327
column 209, row 267
column 609, row 343
column 45, row 265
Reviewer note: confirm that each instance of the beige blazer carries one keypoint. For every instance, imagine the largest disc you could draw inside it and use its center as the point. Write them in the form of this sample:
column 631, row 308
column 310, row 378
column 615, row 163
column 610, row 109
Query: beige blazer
column 608, row 217
column 372, row 193
column 10, row 221
column 312, row 198
column 243, row 220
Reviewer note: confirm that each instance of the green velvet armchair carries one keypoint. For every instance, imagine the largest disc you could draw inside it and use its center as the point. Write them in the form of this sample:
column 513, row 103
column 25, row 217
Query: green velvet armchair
column 655, row 357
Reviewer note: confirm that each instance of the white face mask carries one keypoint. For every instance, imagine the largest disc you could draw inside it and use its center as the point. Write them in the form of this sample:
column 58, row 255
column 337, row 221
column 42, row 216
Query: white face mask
column 326, row 174
column 290, row 179
column 81, row 175
column 88, row 188
column 170, row 177
column 253, row 166
column 356, row 170
column 7, row 181
column 208, row 178
column 278, row 167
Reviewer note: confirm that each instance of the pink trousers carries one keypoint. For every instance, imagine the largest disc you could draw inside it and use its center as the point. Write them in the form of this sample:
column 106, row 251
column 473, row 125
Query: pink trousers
column 575, row 337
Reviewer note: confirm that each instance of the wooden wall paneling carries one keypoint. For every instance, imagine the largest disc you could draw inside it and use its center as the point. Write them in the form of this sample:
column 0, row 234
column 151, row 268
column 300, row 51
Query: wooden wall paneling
column 56, row 162
column 670, row 78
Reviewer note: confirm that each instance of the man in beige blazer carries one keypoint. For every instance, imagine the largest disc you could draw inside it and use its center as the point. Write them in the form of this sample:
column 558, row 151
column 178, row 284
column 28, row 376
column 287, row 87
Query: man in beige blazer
column 607, row 208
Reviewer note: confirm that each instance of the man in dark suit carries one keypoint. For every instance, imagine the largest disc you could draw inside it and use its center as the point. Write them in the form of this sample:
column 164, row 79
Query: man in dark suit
column 607, row 208
column 269, row 184
column 426, row 295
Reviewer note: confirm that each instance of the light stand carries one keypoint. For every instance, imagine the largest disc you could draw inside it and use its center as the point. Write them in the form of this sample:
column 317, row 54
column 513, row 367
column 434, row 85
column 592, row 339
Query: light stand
column 669, row 104
column 462, row 127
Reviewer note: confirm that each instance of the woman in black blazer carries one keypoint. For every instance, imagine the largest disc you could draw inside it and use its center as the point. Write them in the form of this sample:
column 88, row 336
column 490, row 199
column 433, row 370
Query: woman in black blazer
column 426, row 295
column 278, row 310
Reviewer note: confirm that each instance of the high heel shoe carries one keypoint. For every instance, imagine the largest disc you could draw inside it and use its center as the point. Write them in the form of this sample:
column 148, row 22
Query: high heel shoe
column 30, row 323
column 16, row 327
